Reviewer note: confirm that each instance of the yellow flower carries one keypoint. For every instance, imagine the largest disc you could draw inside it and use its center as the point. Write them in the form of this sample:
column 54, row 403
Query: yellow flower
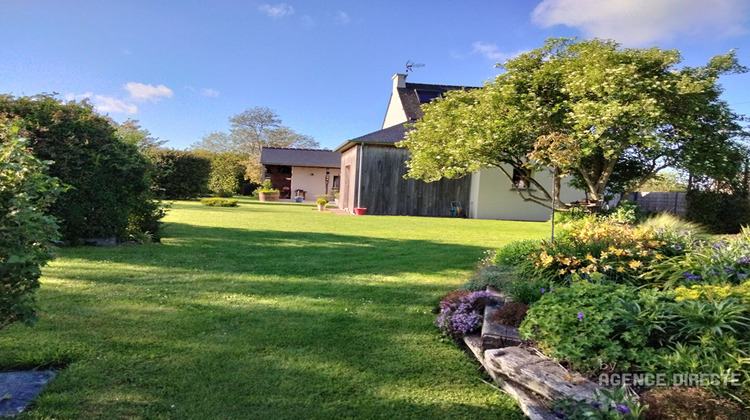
column 607, row 267
column 620, row 269
column 562, row 271
column 565, row 261
column 604, row 255
column 659, row 256
column 545, row 258
column 644, row 253
column 590, row 257
column 635, row 264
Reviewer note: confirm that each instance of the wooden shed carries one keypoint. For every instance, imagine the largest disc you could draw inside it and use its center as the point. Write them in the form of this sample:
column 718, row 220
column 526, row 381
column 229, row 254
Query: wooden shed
column 373, row 170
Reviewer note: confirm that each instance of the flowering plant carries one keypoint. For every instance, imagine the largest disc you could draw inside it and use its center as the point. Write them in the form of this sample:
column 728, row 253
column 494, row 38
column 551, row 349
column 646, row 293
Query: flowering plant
column 462, row 315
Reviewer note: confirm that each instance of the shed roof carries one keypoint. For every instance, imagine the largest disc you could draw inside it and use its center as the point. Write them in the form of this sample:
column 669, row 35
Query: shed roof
column 388, row 135
column 300, row 157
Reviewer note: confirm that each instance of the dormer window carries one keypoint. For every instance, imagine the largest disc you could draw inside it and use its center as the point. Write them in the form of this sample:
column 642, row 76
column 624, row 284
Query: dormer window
column 426, row 96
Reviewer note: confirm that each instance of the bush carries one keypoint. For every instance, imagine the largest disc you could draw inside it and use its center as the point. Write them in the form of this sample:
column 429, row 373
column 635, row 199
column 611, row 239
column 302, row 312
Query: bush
column 179, row 175
column 322, row 202
column 491, row 275
column 108, row 179
column 587, row 325
column 219, row 202
column 720, row 212
column 626, row 212
column 25, row 231
column 516, row 252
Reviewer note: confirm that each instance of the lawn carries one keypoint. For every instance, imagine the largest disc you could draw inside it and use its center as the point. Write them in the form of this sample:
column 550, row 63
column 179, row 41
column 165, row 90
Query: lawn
column 267, row 310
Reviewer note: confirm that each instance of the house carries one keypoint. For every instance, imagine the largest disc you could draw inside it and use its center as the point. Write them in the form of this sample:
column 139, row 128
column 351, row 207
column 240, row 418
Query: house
column 306, row 173
column 373, row 170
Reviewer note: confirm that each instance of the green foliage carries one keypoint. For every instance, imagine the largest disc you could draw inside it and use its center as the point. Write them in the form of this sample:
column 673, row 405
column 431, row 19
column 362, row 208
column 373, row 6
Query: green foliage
column 708, row 262
column 587, row 325
column 227, row 172
column 626, row 212
column 720, row 212
column 266, row 187
column 322, row 202
column 608, row 116
column 491, row 275
column 665, row 182
column 108, row 179
column 219, row 202
column 516, row 252
column 615, row 404
column 179, row 175
column 26, row 232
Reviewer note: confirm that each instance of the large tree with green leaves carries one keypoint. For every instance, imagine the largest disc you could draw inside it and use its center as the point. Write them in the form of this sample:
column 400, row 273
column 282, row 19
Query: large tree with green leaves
column 612, row 118
column 249, row 132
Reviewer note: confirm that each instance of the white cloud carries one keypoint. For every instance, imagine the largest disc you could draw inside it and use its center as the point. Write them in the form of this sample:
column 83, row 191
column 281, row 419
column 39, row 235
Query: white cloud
column 492, row 51
column 642, row 22
column 211, row 93
column 114, row 105
column 343, row 17
column 142, row 92
column 277, row 10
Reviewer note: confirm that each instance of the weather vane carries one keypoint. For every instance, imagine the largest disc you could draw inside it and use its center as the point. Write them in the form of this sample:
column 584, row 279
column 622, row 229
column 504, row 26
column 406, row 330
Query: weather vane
column 410, row 65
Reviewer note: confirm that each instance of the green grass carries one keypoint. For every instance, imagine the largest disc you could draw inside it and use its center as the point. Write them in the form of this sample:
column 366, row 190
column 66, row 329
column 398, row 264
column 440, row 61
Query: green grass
column 267, row 310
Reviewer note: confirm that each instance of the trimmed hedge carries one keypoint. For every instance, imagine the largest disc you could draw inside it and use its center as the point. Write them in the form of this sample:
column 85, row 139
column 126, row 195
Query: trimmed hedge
column 179, row 175
column 219, row 202
column 108, row 180
column 719, row 212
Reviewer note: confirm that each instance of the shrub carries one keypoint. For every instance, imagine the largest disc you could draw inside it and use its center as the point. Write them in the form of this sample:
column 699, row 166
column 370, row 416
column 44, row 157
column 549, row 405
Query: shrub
column 219, row 202
column 322, row 202
column 510, row 314
column 26, row 192
column 516, row 252
column 586, row 325
column 491, row 275
column 107, row 177
column 266, row 187
column 179, row 175
column 626, row 212
column 608, row 405
column 462, row 312
column 720, row 212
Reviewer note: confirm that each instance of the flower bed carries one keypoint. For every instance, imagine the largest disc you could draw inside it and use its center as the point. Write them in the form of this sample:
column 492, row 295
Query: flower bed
column 616, row 302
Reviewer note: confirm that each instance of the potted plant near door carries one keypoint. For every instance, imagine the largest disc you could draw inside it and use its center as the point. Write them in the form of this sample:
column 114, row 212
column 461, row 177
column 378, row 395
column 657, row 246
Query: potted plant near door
column 322, row 204
column 266, row 192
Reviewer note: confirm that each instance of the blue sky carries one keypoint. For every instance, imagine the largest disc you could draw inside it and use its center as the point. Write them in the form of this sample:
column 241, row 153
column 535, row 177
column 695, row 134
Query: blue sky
column 182, row 68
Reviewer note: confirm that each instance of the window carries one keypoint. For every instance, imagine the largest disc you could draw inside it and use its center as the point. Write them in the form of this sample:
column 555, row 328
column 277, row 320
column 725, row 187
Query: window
column 426, row 97
column 521, row 179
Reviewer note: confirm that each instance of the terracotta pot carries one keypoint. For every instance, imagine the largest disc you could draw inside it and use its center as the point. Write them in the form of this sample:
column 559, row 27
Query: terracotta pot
column 268, row 196
column 321, row 207
column 359, row 211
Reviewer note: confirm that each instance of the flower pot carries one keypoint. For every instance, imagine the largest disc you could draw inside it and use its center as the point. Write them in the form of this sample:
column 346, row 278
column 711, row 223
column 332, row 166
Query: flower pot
column 321, row 207
column 359, row 211
column 268, row 196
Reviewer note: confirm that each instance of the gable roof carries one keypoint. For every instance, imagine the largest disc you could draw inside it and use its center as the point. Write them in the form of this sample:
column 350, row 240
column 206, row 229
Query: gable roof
column 386, row 136
column 300, row 157
column 415, row 94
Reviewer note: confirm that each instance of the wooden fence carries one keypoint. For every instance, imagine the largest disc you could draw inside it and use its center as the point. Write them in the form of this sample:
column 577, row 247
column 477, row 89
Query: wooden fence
column 661, row 202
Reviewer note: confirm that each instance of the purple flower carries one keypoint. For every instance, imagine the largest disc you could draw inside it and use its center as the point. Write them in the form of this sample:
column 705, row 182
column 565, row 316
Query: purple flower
column 580, row 315
column 678, row 247
column 596, row 404
column 622, row 409
column 717, row 246
column 741, row 275
column 686, row 274
column 553, row 288
column 543, row 290
column 743, row 260
column 464, row 323
column 694, row 277
column 729, row 269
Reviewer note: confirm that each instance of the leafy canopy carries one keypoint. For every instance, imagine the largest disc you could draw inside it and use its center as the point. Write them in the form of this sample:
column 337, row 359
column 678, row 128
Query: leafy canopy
column 611, row 118
column 249, row 132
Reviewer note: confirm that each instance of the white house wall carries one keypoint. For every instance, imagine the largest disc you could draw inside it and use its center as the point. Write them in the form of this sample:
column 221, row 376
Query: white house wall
column 493, row 198
column 312, row 180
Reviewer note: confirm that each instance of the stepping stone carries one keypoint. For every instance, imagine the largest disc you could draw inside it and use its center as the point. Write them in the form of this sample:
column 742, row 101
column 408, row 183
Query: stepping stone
column 18, row 389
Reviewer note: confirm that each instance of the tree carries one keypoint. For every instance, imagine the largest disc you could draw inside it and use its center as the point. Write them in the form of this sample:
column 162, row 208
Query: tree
column 249, row 132
column 179, row 174
column 611, row 118
column 131, row 132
